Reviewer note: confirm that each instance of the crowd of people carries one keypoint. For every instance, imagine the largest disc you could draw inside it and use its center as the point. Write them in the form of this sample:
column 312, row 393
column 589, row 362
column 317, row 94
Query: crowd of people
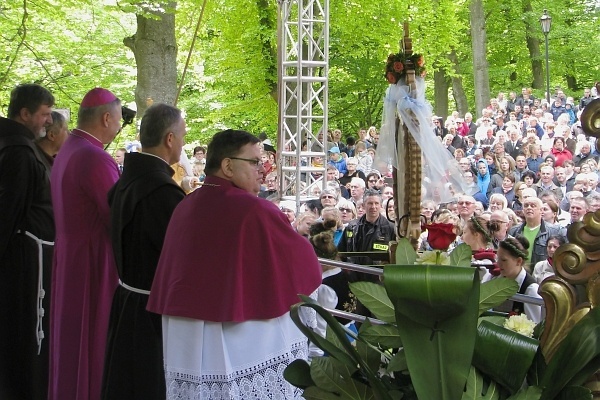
column 150, row 275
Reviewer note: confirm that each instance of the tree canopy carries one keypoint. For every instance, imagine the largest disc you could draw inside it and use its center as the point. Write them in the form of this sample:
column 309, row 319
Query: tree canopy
column 72, row 45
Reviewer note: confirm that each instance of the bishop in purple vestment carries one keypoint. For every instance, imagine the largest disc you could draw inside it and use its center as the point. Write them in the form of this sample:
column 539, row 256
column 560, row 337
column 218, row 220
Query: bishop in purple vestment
column 84, row 276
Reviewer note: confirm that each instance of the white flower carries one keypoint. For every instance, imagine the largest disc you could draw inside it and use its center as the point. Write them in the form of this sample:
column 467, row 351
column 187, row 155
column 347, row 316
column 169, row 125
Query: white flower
column 520, row 324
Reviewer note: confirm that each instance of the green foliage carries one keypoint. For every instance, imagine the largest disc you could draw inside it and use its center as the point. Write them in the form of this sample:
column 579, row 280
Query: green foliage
column 74, row 45
column 495, row 292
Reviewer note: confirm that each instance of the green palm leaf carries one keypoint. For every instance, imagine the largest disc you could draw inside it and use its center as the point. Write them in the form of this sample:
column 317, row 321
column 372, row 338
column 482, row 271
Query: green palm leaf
column 375, row 298
column 384, row 336
column 475, row 388
column 577, row 357
column 503, row 355
column 495, row 292
column 436, row 313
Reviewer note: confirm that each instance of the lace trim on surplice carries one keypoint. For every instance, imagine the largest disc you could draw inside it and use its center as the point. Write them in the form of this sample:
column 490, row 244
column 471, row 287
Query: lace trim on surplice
column 262, row 381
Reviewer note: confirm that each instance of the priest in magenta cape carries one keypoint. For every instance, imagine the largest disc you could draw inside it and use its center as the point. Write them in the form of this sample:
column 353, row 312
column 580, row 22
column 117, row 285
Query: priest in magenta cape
column 230, row 268
column 84, row 277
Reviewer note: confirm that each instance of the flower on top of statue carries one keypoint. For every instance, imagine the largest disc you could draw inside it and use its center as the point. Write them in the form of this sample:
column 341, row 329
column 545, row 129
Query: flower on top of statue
column 398, row 63
column 520, row 324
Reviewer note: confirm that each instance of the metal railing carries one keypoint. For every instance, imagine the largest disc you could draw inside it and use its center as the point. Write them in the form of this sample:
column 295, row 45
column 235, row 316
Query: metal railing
column 378, row 271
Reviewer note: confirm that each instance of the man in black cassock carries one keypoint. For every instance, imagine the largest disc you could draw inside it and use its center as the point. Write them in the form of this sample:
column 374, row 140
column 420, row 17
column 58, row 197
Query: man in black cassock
column 142, row 202
column 26, row 231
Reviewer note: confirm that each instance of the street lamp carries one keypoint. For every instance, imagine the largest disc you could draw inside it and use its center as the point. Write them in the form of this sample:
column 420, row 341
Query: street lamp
column 546, row 21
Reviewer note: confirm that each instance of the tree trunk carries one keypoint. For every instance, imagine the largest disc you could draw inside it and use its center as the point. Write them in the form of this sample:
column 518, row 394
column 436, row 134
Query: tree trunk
column 462, row 104
column 441, row 93
column 268, row 21
column 533, row 45
column 155, row 50
column 480, row 64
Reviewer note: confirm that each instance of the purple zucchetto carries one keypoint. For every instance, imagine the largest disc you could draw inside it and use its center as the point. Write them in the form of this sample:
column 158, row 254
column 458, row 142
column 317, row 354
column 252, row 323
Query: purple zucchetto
column 97, row 97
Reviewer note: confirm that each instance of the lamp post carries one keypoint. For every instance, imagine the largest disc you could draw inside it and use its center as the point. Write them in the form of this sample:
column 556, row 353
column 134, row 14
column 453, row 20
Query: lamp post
column 546, row 21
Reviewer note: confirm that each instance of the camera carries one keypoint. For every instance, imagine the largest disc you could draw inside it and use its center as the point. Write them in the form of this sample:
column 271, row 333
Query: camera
column 128, row 115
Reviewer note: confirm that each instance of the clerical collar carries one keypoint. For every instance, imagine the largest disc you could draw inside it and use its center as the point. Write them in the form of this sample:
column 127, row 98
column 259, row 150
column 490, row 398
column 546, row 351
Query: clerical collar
column 88, row 136
column 154, row 155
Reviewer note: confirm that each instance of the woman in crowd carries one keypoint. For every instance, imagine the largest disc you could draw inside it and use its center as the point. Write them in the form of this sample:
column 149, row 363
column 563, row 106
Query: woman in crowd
column 505, row 166
column 372, row 181
column 365, row 162
column 507, row 188
column 529, row 178
column 534, row 158
column 347, row 211
column 497, row 202
column 427, row 209
column 550, row 212
column 483, row 177
column 560, row 152
column 332, row 214
column 478, row 233
column 353, row 171
column 545, row 269
column 517, row 203
column 388, row 210
column 490, row 158
column 512, row 257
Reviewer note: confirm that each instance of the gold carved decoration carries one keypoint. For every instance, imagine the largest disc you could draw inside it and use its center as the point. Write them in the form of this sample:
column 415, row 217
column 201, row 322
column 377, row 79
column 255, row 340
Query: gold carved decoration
column 575, row 263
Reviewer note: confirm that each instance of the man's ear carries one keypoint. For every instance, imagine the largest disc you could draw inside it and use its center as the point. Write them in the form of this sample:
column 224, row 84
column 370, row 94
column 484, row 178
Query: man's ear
column 24, row 114
column 227, row 167
column 168, row 140
column 105, row 119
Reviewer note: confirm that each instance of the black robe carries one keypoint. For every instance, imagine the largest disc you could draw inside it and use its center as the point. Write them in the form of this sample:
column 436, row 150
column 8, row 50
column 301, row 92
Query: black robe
column 142, row 202
column 25, row 206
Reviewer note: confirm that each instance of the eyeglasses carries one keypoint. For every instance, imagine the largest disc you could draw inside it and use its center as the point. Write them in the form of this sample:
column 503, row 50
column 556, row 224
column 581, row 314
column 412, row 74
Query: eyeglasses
column 254, row 161
column 372, row 180
column 499, row 222
column 327, row 197
column 345, row 210
column 464, row 203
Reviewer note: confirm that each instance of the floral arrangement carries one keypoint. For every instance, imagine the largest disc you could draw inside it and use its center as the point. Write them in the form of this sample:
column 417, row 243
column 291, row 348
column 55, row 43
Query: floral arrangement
column 397, row 64
column 520, row 324
column 437, row 341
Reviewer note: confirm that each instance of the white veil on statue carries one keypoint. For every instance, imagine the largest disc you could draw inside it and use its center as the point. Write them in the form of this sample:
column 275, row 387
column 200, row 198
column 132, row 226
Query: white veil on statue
column 445, row 180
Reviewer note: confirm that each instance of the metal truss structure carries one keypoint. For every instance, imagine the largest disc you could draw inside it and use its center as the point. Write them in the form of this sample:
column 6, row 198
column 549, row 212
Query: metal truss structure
column 303, row 52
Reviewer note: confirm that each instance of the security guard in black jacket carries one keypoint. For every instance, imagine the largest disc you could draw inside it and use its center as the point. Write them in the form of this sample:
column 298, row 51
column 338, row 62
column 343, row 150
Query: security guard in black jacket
column 371, row 232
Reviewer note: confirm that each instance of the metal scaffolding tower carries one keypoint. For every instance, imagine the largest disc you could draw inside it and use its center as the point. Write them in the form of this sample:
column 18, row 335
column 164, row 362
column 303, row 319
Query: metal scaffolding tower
column 303, row 52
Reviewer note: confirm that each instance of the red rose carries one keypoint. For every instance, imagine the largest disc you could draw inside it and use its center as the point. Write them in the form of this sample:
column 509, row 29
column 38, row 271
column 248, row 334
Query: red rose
column 391, row 78
column 398, row 66
column 440, row 236
column 421, row 61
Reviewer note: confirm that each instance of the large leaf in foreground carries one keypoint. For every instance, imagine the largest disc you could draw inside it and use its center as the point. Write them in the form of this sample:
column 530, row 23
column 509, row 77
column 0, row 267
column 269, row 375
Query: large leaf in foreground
column 503, row 355
column 495, row 292
column 577, row 357
column 436, row 313
column 475, row 387
column 375, row 298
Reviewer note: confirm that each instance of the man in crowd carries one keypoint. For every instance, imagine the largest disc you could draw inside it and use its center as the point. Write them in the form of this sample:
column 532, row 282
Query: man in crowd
column 466, row 207
column 514, row 145
column 230, row 268
column 371, row 232
column 120, row 158
column 546, row 182
column 520, row 166
column 577, row 208
column 26, row 233
column 357, row 189
column 84, row 276
column 536, row 230
column 141, row 203
column 585, row 153
column 52, row 141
